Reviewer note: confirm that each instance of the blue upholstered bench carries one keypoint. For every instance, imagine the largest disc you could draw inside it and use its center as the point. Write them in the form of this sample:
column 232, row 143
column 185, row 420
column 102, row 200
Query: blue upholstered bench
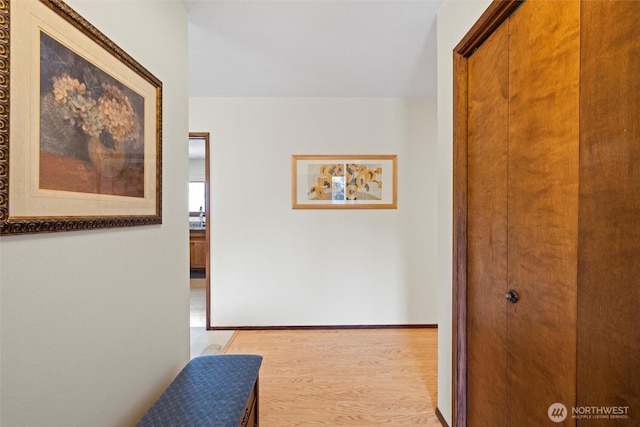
column 211, row 391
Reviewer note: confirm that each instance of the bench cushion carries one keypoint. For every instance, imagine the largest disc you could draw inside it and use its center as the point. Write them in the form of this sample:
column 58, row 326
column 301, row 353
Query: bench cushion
column 210, row 391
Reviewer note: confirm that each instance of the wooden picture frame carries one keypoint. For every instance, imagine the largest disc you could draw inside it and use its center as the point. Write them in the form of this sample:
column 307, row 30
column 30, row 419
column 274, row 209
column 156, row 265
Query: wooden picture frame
column 367, row 181
column 80, row 125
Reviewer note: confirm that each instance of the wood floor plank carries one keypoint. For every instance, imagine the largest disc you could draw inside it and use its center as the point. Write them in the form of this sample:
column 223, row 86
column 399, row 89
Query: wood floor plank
column 360, row 377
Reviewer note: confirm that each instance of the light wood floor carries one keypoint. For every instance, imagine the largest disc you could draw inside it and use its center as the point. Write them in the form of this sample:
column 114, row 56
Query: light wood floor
column 362, row 377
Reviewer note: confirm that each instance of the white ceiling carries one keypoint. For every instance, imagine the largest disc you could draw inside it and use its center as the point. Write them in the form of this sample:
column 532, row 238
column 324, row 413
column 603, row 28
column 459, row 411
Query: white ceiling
column 312, row 48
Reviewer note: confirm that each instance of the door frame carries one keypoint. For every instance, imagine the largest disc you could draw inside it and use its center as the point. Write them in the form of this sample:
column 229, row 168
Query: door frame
column 497, row 12
column 207, row 229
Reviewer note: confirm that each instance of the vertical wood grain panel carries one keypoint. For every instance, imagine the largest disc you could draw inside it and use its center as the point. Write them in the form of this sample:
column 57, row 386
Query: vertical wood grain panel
column 491, row 19
column 609, row 262
column 459, row 309
column 488, row 132
column 543, row 209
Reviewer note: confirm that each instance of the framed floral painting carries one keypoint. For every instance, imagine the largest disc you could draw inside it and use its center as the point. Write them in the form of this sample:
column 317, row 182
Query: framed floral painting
column 344, row 181
column 80, row 141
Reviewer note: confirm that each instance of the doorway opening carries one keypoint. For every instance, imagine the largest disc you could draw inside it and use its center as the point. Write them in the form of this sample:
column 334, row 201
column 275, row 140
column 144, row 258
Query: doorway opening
column 199, row 230
column 205, row 340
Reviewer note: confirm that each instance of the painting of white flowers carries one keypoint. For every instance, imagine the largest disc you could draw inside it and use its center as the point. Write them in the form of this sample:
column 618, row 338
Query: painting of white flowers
column 346, row 181
column 84, row 120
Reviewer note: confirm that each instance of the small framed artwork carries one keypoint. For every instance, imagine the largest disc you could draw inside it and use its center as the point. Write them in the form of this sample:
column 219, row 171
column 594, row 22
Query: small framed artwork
column 344, row 181
column 81, row 125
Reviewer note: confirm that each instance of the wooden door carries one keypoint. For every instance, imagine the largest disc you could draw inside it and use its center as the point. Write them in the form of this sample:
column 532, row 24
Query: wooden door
column 609, row 268
column 522, row 195
column 488, row 128
column 544, row 76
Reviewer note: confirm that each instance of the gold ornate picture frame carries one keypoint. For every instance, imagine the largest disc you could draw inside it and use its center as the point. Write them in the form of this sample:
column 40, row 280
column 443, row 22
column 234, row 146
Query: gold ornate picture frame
column 344, row 181
column 80, row 125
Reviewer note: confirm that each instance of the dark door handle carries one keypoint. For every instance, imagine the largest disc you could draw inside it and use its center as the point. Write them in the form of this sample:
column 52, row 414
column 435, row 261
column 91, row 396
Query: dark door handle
column 512, row 296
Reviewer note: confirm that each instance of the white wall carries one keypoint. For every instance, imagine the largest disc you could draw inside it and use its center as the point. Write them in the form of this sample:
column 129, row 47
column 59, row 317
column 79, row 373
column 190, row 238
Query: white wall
column 455, row 18
column 274, row 266
column 95, row 323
